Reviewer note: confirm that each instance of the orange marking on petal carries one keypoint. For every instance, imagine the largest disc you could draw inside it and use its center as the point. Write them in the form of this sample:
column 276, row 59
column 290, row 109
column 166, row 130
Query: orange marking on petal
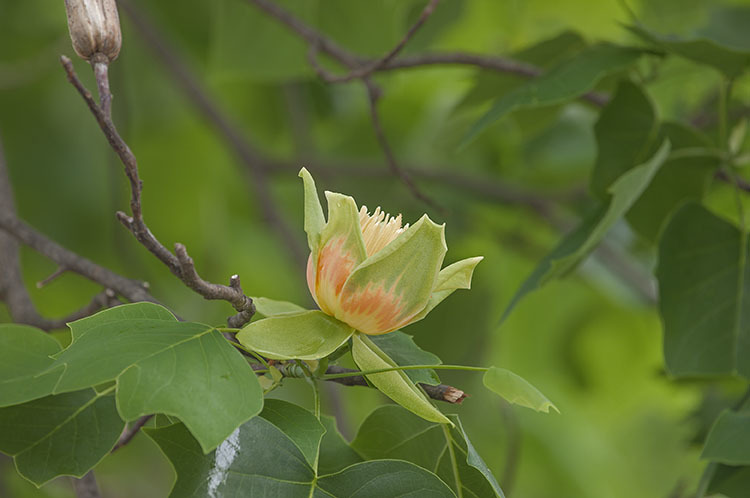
column 374, row 309
column 335, row 264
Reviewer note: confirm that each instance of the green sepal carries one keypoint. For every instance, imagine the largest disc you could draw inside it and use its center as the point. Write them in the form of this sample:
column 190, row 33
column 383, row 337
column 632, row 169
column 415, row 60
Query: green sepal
column 308, row 335
column 452, row 277
column 314, row 220
column 396, row 385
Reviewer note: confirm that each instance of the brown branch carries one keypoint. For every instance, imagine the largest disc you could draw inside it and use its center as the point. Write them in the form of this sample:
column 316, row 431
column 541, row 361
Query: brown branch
column 371, row 67
column 440, row 392
column 86, row 486
column 180, row 265
column 130, row 431
column 195, row 92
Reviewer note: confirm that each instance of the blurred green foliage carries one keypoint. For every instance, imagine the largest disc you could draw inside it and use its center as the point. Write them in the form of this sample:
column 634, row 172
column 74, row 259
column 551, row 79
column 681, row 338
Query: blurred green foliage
column 589, row 341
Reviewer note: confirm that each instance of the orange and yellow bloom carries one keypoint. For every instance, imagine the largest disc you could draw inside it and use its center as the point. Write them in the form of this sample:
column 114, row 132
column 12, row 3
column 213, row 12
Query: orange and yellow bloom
column 369, row 271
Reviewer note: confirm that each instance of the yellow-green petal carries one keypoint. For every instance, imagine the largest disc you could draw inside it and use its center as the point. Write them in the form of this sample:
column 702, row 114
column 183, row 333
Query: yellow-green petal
column 396, row 385
column 452, row 277
column 395, row 284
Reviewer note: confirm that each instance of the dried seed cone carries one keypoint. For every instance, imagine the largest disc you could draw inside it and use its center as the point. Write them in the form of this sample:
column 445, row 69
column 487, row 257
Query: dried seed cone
column 94, row 27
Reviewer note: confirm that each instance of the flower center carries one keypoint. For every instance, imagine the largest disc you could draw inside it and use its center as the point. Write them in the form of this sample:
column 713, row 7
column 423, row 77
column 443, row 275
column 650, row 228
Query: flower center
column 379, row 229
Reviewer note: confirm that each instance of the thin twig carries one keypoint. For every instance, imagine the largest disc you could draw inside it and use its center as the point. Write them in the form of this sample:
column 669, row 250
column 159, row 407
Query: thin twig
column 130, row 431
column 387, row 58
column 190, row 85
column 181, row 265
column 52, row 277
column 100, row 64
column 388, row 152
column 439, row 392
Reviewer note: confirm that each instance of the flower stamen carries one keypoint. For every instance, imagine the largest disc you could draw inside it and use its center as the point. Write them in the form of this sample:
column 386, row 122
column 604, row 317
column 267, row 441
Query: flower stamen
column 379, row 229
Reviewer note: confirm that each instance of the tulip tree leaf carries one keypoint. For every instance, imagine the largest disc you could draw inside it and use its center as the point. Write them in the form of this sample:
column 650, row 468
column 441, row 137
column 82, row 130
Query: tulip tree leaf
column 681, row 178
column 704, row 295
column 402, row 349
column 308, row 335
column 624, row 130
column 729, row 439
column 729, row 480
column 262, row 458
column 24, row 354
column 566, row 81
column 392, row 432
column 162, row 366
column 271, row 307
column 302, row 429
column 575, row 246
column 335, row 452
column 517, row 390
column 396, row 385
column 730, row 61
column 65, row 434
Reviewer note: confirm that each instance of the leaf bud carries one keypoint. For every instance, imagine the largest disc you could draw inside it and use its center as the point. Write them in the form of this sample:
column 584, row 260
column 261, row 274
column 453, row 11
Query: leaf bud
column 94, row 28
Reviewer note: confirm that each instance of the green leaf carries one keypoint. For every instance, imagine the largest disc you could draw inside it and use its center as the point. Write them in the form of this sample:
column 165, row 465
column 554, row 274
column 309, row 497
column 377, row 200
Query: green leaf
column 162, row 365
column 383, row 478
column 335, row 452
column 24, row 354
column 704, row 295
column 517, row 390
column 545, row 54
column 294, row 421
column 66, row 434
column 730, row 481
column 730, row 61
column 271, row 307
column 624, row 130
column 729, row 439
column 396, row 385
column 262, row 458
column 308, row 335
column 683, row 177
column 392, row 432
column 566, row 81
column 402, row 349
column 575, row 246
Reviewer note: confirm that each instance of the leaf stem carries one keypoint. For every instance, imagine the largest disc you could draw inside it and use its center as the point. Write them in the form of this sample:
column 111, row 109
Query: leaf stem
column 454, row 462
column 227, row 329
column 250, row 351
column 404, row 367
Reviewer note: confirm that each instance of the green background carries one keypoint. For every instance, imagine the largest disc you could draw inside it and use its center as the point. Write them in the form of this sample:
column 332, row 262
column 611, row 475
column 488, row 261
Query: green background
column 589, row 342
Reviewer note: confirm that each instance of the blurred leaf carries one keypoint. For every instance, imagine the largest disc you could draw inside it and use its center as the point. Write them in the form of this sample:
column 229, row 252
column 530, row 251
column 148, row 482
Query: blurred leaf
column 66, row 434
column 396, row 385
column 402, row 349
column 730, row 61
column 492, row 84
column 271, row 307
column 727, row 25
column 517, row 390
column 25, row 353
column 680, row 179
column 577, row 244
column 704, row 295
column 335, row 452
column 566, row 81
column 730, row 481
column 623, row 133
column 307, row 335
column 392, row 432
column 729, row 439
column 262, row 458
column 162, row 365
column 364, row 27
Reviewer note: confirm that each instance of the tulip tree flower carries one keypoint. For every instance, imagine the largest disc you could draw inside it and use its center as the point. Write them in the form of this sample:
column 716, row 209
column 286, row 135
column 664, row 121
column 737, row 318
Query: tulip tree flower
column 370, row 275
